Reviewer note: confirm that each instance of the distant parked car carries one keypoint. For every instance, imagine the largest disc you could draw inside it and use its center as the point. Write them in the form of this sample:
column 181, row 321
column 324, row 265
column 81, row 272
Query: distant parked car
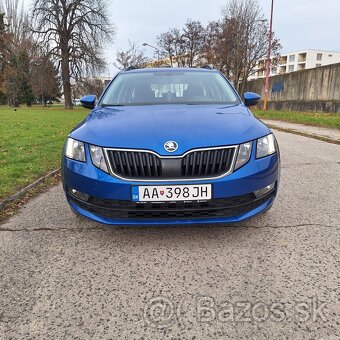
column 76, row 102
column 170, row 146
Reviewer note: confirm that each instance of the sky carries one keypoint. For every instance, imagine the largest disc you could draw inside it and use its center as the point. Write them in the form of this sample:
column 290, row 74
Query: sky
column 299, row 24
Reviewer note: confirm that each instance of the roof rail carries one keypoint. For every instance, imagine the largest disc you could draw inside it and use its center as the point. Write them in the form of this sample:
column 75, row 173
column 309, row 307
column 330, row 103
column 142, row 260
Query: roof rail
column 208, row 67
column 130, row 68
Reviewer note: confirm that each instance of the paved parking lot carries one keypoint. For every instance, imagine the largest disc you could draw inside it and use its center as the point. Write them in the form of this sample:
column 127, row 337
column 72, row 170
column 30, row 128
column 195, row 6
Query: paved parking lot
column 275, row 276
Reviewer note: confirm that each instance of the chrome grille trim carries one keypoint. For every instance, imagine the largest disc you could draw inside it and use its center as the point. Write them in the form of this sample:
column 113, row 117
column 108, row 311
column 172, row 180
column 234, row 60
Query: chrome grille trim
column 156, row 155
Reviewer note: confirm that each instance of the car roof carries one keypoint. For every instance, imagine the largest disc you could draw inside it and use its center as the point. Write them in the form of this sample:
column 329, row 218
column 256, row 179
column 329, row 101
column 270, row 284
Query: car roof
column 168, row 69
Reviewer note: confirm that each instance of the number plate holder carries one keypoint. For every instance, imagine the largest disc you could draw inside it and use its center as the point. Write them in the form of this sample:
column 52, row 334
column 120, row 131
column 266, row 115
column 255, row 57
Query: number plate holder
column 171, row 193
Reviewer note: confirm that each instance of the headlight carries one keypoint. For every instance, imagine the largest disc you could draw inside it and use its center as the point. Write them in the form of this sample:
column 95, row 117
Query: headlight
column 98, row 158
column 243, row 156
column 75, row 150
column 265, row 146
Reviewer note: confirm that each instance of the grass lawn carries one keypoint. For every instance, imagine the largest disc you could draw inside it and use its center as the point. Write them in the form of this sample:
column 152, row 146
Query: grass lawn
column 31, row 141
column 309, row 118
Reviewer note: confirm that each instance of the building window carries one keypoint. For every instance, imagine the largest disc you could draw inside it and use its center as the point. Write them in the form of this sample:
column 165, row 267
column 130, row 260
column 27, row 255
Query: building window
column 283, row 60
column 291, row 68
column 283, row 69
column 302, row 57
column 319, row 56
column 317, row 65
column 301, row 66
column 292, row 58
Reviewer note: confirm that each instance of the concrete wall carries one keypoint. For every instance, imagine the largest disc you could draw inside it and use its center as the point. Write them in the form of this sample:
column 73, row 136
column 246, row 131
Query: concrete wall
column 316, row 89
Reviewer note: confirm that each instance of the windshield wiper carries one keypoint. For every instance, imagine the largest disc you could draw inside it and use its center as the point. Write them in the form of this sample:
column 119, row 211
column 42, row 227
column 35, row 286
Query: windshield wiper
column 105, row 105
column 226, row 106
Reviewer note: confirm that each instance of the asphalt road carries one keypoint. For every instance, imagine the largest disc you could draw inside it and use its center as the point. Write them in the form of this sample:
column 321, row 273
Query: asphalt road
column 275, row 276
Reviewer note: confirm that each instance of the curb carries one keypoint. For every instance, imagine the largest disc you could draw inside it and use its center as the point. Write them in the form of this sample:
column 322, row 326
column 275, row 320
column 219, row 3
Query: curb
column 304, row 134
column 27, row 188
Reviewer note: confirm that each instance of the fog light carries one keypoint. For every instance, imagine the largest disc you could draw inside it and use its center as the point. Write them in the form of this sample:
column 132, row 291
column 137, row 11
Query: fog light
column 263, row 191
column 78, row 194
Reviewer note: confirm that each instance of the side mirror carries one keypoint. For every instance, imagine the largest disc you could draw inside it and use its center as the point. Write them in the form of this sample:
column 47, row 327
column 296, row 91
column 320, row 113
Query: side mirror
column 251, row 98
column 89, row 102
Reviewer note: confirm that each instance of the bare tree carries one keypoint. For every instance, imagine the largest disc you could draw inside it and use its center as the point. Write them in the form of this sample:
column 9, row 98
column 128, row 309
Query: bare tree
column 16, row 46
column 16, row 23
column 179, row 47
column 44, row 77
column 172, row 47
column 166, row 43
column 244, row 39
column 75, row 32
column 211, row 49
column 183, row 47
column 86, row 86
column 133, row 56
column 193, row 40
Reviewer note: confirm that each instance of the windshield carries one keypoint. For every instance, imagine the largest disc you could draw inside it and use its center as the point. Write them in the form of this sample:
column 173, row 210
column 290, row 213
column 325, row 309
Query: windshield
column 164, row 87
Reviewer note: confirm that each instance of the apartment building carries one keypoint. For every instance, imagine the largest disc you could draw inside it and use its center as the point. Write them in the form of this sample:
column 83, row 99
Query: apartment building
column 296, row 61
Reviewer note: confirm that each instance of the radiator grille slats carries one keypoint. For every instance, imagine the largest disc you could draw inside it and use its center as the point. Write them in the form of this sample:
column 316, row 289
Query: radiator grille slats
column 209, row 163
column 132, row 164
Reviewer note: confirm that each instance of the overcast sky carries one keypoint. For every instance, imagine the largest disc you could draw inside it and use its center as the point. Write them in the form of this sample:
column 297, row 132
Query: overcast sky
column 299, row 24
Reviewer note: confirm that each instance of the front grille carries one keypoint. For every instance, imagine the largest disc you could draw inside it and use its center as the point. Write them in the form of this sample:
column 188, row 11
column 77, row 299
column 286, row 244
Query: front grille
column 134, row 164
column 221, row 207
column 144, row 165
column 209, row 163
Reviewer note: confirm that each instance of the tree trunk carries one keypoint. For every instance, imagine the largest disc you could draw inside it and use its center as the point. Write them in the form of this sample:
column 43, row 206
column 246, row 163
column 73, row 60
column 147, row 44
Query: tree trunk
column 244, row 79
column 243, row 83
column 65, row 75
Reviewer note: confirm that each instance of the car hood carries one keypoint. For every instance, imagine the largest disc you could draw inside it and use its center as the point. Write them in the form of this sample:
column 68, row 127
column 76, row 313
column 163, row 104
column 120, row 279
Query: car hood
column 149, row 127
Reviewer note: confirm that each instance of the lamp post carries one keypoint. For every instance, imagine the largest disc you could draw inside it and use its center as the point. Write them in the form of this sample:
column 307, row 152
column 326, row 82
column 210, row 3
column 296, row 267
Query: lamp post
column 268, row 58
column 155, row 48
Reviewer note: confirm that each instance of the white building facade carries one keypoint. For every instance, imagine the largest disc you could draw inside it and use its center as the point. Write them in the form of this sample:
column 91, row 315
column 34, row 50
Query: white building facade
column 296, row 61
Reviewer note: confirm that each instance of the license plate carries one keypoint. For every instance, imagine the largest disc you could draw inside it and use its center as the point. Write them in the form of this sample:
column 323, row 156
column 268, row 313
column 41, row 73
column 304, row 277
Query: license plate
column 163, row 193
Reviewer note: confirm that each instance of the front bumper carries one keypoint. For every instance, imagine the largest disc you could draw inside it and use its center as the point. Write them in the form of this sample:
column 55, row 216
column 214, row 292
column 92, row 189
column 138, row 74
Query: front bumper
column 110, row 198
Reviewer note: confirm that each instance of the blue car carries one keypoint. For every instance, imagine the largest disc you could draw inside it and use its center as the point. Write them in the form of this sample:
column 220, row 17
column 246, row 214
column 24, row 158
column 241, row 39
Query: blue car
column 170, row 146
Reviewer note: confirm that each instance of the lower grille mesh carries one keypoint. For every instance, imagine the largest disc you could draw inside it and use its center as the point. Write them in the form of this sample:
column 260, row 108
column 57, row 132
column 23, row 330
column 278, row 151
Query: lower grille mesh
column 222, row 207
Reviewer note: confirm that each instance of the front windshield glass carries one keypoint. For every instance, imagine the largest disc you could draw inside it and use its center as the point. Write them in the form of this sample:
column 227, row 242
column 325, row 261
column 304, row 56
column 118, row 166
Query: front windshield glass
column 164, row 87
